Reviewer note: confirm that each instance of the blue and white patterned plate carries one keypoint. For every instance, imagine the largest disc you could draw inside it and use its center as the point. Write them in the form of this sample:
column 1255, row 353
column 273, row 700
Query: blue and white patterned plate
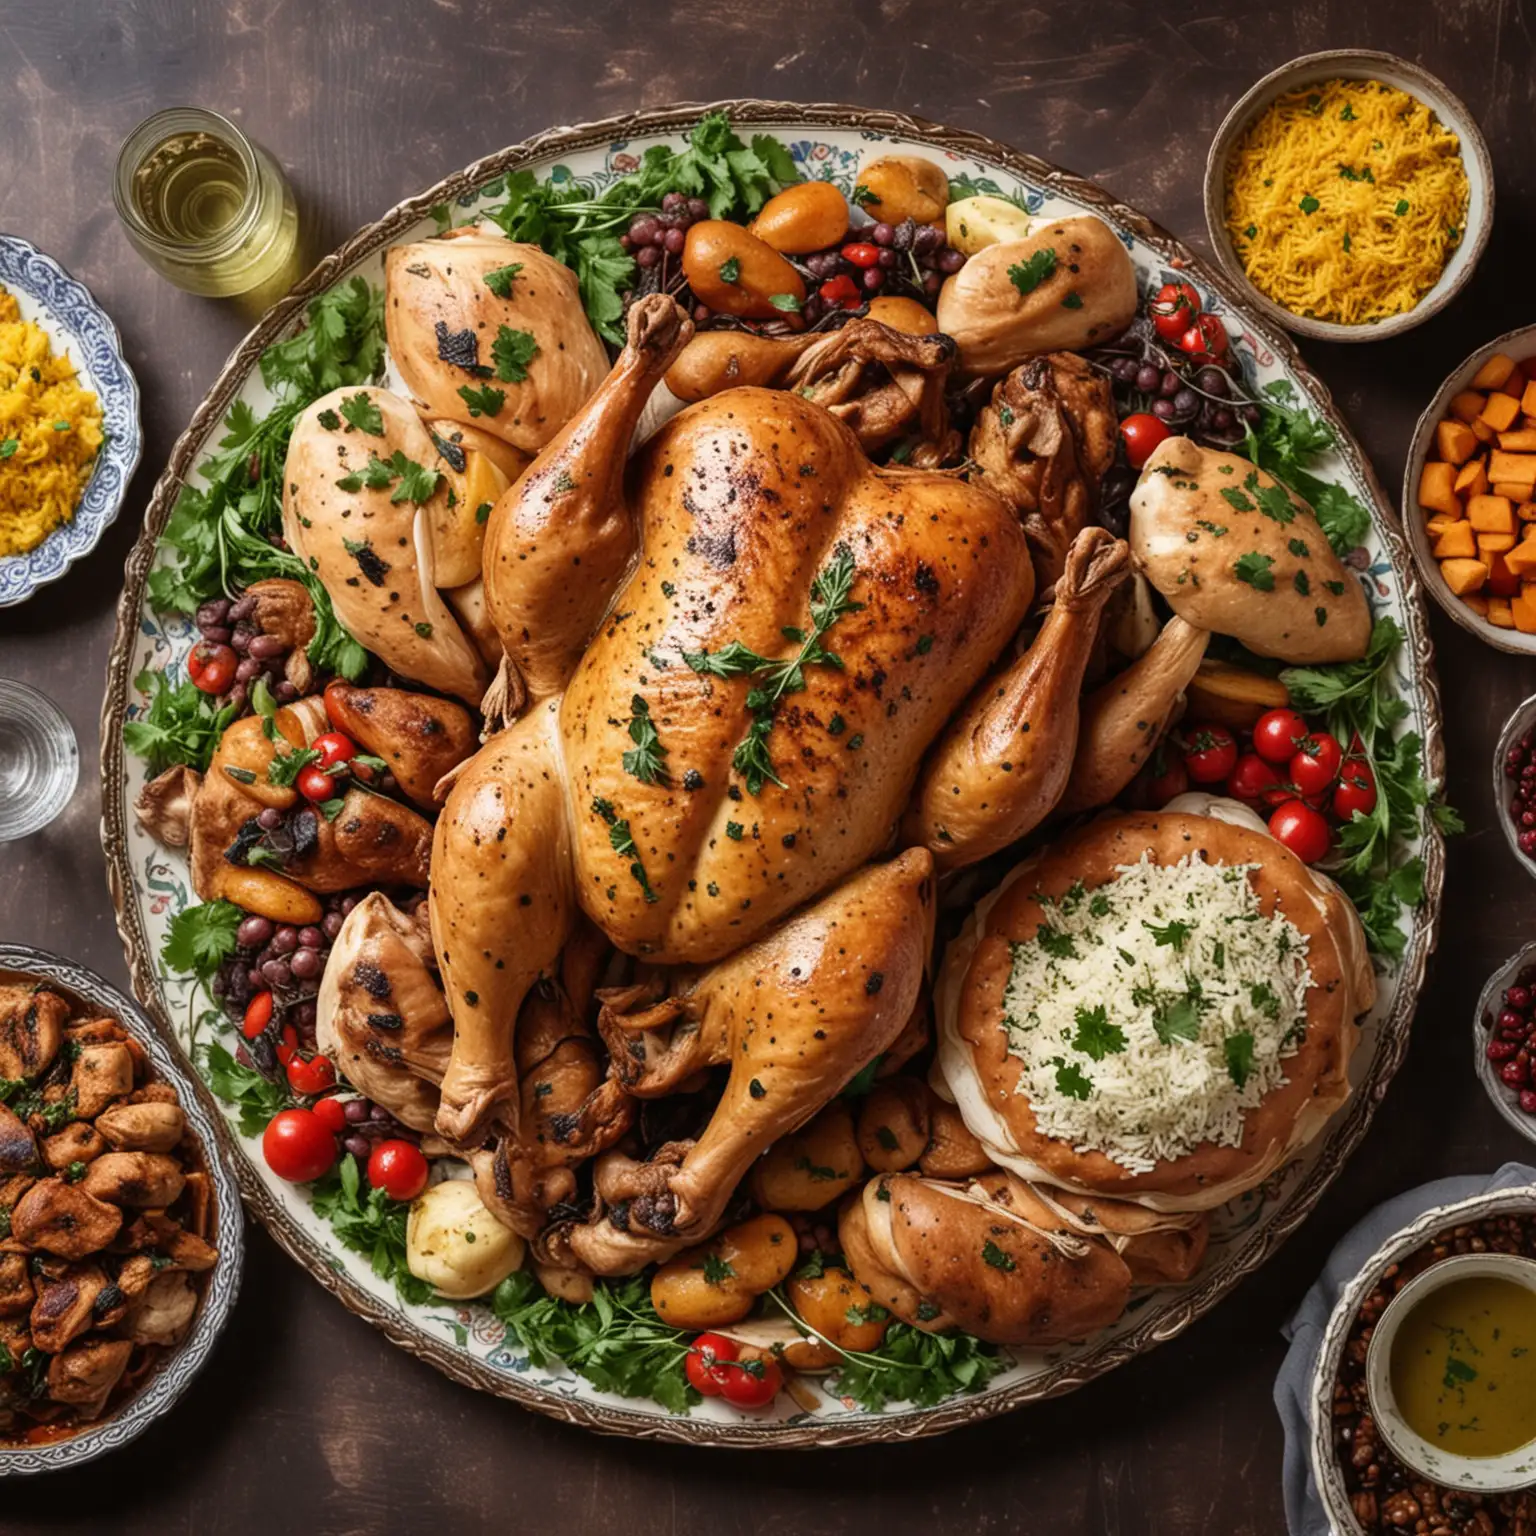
column 151, row 884
column 50, row 298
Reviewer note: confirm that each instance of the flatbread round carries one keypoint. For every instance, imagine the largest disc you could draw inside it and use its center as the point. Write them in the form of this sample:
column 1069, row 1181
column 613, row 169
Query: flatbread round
column 984, row 1079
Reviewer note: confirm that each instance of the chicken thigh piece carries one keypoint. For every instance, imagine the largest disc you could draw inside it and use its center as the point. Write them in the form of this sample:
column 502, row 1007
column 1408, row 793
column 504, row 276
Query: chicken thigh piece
column 795, row 1016
column 502, row 908
column 1001, row 766
column 561, row 539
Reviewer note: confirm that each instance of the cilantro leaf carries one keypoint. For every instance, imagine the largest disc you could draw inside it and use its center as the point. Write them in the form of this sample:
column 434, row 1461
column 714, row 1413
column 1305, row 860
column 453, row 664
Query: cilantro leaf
column 1096, row 1037
column 1071, row 1081
column 201, row 938
column 485, row 401
column 1254, row 568
column 257, row 1098
column 1176, row 1018
column 372, row 1225
column 362, row 411
column 912, row 1365
column 1026, row 276
column 1238, row 1050
column 499, row 280
column 512, row 351
column 181, row 725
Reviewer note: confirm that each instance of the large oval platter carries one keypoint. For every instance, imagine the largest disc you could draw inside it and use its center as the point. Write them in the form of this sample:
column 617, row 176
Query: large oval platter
column 465, row 1341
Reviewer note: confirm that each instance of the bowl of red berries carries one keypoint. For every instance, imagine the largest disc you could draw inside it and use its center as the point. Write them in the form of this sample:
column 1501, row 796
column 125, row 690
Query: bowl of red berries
column 1506, row 1040
column 1514, row 782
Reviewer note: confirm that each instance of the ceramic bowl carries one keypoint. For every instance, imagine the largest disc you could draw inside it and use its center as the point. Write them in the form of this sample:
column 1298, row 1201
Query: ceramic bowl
column 176, row 1367
column 1505, row 1099
column 1356, row 64
column 1478, row 1474
column 1325, row 1469
column 1519, row 344
column 1522, row 720
column 75, row 323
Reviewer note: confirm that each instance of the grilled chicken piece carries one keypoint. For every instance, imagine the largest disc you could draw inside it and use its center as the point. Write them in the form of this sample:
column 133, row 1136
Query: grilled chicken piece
column 85, row 1375
column 151, row 1127
column 162, row 1313
column 103, row 1072
column 78, row 1142
column 421, row 738
column 502, row 909
column 1044, row 444
column 184, row 1250
column 146, row 1179
column 448, row 330
column 381, row 1017
column 1234, row 551
column 64, row 1219
column 372, row 841
column 18, row 1147
column 374, row 552
column 16, row 1294
column 1002, row 765
column 561, row 539
column 795, row 1016
column 1122, row 720
column 31, row 1030
column 65, row 1306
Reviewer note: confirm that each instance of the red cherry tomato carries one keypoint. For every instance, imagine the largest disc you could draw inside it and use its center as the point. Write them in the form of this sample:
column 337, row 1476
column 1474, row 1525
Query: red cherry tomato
column 1315, row 764
column 297, row 1146
column 334, row 747
column 752, row 1383
column 212, row 667
column 331, row 1113
column 1356, row 791
column 309, row 1075
column 1142, row 433
column 1253, row 781
column 314, row 784
column 1174, row 310
column 258, row 1014
column 706, row 1363
column 1277, row 734
column 1167, row 777
column 1301, row 829
column 1210, row 753
column 287, row 1044
column 1205, row 341
column 861, row 253
column 399, row 1169
column 841, row 290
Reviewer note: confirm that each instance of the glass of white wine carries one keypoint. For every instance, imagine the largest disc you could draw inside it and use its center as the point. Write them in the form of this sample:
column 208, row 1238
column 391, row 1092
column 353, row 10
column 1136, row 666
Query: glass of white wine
column 206, row 207
column 39, row 760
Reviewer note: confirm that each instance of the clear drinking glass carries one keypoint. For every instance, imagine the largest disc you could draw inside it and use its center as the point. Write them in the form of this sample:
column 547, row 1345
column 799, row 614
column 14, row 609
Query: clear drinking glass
column 206, row 207
column 39, row 760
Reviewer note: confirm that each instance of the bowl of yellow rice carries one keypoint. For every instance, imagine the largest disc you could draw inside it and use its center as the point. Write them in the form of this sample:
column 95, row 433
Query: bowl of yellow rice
column 1351, row 194
column 69, row 421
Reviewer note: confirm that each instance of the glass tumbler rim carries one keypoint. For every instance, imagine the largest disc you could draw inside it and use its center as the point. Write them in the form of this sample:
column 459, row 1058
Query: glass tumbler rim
column 14, row 692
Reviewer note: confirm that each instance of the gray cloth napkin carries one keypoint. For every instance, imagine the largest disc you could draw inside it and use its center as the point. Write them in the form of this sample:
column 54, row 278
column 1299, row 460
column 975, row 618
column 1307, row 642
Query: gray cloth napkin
column 1304, row 1513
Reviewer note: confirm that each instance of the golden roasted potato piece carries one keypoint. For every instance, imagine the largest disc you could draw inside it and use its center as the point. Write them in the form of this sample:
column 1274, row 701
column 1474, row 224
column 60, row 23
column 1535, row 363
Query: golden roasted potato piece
column 811, row 1167
column 719, row 1281
column 893, row 1124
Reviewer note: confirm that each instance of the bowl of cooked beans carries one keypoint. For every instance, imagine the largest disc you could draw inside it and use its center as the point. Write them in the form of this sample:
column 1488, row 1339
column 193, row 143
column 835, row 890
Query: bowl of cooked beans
column 1350, row 193
column 121, row 1237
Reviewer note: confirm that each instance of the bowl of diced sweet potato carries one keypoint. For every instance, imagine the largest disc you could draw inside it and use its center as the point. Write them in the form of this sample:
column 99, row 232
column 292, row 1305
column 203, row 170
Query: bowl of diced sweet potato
column 1469, row 496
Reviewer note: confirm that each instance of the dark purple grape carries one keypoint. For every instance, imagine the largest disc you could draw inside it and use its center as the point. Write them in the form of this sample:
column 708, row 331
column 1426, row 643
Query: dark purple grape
column 1250, row 414
column 813, row 309
column 672, row 201
column 873, row 279
column 697, row 209
column 647, row 256
column 887, row 260
column 1147, row 377
column 675, row 240
column 1222, row 420
column 236, row 696
column 331, row 924
column 284, row 692
column 265, row 647
column 216, row 634
column 253, row 932
column 240, row 637
column 285, row 940
column 378, row 1112
column 269, row 819
column 277, row 973
column 311, row 937
column 356, row 1111
column 304, row 1015
column 258, row 982
column 359, row 1146
column 389, row 783
column 248, row 670
column 882, row 234
column 951, row 260
column 932, row 283
column 241, row 608
column 306, row 964
column 1170, row 386
column 1186, row 402
column 1125, row 369
column 347, row 904
column 213, row 613
column 1163, row 410
column 926, row 239
column 1213, row 381
column 641, row 228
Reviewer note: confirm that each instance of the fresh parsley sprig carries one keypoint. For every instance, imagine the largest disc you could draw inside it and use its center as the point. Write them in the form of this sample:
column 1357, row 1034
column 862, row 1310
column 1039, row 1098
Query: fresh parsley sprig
column 372, row 1225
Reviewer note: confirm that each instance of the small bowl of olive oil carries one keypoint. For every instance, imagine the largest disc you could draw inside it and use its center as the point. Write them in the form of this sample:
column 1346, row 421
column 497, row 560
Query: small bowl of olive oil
column 1451, row 1370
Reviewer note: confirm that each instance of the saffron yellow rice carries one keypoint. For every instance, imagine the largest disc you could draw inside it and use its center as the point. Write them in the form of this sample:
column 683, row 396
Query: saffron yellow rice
column 50, row 431
column 1345, row 200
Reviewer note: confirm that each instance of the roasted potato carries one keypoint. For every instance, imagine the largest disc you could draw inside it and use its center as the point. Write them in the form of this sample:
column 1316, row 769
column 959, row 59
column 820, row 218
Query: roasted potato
column 803, row 218
column 897, row 187
column 719, row 1281
column 974, row 223
column 841, row 1311
column 893, row 1124
column 811, row 1167
column 454, row 1243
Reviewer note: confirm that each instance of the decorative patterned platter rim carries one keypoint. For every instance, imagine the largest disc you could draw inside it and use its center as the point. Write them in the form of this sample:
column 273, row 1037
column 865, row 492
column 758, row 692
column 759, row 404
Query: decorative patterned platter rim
column 446, row 1342
column 64, row 308
column 176, row 1371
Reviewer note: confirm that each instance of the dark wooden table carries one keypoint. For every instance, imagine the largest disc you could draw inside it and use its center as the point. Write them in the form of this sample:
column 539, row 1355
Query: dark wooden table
column 307, row 1419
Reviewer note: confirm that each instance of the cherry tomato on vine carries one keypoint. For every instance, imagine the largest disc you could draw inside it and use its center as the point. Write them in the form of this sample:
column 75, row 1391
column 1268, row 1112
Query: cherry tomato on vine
column 1356, row 791
column 1277, row 734
column 1255, row 782
column 707, row 1363
column 334, row 747
column 399, row 1169
column 310, row 1074
column 1301, row 829
column 1174, row 310
column 331, row 1113
column 258, row 1014
column 315, row 784
column 1315, row 764
column 1142, row 433
column 212, row 667
column 298, row 1146
column 1210, row 753
column 1205, row 341
column 1167, row 777
column 752, row 1383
